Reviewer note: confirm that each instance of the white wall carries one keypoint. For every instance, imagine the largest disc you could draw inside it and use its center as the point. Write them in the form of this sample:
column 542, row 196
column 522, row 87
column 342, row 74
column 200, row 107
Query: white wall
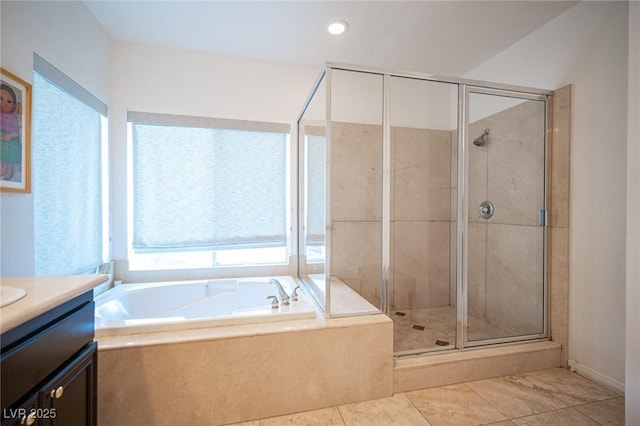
column 68, row 36
column 632, row 381
column 587, row 47
column 173, row 81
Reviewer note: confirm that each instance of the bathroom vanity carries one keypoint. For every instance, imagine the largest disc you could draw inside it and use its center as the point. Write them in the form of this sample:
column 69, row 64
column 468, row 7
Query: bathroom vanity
column 49, row 357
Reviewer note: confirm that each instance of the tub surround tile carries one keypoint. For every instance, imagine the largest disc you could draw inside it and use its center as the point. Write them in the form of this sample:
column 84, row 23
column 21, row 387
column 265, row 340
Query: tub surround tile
column 606, row 413
column 395, row 410
column 252, row 377
column 514, row 396
column 455, row 405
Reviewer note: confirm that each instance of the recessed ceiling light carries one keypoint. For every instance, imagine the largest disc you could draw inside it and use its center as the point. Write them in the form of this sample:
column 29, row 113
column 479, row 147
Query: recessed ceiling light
column 337, row 27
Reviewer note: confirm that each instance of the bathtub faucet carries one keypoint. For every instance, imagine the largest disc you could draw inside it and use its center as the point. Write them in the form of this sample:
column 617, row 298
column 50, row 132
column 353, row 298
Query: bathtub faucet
column 284, row 297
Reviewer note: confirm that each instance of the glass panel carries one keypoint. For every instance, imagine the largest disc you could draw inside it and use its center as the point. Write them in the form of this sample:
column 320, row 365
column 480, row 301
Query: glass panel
column 422, row 292
column 355, row 195
column 505, row 240
column 312, row 145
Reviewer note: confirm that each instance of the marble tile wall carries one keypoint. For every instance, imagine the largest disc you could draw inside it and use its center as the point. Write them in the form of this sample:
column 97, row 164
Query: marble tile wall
column 226, row 379
column 356, row 207
column 505, row 281
column 560, row 226
column 505, row 252
column 421, row 213
column 421, row 217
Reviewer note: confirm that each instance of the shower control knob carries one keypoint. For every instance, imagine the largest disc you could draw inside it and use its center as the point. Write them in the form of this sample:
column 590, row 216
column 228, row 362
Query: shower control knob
column 486, row 209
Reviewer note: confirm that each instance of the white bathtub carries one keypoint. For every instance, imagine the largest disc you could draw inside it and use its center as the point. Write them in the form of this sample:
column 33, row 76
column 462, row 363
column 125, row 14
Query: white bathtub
column 164, row 306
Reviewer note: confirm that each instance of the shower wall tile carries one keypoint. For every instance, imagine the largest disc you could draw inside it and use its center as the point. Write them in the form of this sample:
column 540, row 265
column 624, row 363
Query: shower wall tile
column 509, row 169
column 515, row 278
column 356, row 256
column 559, row 288
column 477, row 172
column 421, row 264
column 422, row 174
column 560, row 157
column 356, row 172
column 477, row 270
column 516, row 163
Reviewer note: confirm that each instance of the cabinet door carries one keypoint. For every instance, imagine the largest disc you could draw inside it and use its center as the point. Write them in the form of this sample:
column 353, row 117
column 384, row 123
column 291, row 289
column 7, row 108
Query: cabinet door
column 26, row 414
column 71, row 395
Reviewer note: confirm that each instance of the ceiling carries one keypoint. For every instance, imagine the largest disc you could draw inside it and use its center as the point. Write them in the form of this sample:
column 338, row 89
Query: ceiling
column 440, row 37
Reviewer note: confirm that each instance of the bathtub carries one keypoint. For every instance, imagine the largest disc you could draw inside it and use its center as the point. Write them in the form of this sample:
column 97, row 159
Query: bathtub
column 180, row 305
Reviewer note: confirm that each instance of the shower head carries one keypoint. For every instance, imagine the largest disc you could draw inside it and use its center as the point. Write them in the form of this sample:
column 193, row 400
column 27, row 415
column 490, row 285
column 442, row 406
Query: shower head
column 482, row 139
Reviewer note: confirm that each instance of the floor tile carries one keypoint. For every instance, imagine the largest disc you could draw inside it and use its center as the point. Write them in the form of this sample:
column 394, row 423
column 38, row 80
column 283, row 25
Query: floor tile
column 514, row 396
column 564, row 417
column 395, row 410
column 439, row 326
column 325, row 417
column 570, row 388
column 607, row 413
column 455, row 405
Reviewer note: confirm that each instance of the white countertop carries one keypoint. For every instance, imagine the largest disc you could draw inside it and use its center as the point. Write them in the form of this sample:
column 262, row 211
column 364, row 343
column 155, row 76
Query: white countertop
column 43, row 294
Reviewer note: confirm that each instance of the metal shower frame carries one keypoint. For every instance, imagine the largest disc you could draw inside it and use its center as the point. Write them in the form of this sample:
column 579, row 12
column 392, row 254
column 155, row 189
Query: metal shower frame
column 465, row 88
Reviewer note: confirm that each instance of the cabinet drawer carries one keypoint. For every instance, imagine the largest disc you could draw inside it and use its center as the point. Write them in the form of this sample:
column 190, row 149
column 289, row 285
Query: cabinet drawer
column 28, row 364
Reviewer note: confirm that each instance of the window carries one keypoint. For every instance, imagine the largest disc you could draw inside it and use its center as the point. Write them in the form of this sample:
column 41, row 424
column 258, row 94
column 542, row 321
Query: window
column 315, row 146
column 207, row 192
column 69, row 162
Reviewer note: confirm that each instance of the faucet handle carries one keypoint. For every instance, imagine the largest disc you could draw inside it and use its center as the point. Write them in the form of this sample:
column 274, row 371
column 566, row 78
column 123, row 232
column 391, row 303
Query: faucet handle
column 274, row 302
column 294, row 293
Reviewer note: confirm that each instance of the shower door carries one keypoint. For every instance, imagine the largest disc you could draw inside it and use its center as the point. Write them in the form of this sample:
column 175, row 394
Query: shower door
column 506, row 207
column 422, row 283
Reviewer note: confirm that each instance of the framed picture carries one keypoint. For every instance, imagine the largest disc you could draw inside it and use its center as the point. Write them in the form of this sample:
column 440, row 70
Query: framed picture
column 15, row 132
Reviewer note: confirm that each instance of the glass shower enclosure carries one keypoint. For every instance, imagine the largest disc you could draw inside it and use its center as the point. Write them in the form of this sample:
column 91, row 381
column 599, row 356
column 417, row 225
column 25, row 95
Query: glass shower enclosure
column 425, row 198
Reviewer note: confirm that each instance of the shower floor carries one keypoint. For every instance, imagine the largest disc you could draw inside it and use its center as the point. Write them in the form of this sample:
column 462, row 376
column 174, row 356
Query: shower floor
column 432, row 328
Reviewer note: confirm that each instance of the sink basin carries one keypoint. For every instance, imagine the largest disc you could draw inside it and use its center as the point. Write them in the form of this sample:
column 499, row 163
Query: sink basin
column 9, row 295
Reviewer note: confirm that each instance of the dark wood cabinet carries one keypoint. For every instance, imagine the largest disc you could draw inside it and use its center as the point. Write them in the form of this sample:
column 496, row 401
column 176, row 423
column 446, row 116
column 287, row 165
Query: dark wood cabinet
column 69, row 398
column 49, row 368
column 25, row 414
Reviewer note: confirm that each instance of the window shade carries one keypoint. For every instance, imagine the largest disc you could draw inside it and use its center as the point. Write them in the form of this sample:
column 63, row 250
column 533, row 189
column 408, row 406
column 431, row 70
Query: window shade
column 67, row 176
column 207, row 188
column 316, row 183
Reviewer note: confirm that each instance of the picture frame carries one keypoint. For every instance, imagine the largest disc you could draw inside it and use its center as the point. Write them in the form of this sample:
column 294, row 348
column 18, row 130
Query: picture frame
column 15, row 133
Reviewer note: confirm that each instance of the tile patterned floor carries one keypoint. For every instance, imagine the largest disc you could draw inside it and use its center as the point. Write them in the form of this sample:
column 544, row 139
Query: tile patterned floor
column 549, row 397
column 417, row 329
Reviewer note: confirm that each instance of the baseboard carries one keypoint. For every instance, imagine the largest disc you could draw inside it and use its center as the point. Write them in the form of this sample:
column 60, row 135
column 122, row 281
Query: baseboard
column 599, row 378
